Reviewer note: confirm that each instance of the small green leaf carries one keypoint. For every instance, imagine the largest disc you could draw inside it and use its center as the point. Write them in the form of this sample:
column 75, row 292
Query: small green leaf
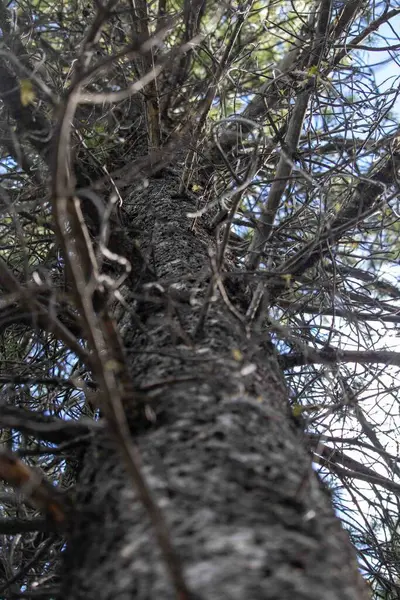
column 27, row 92
column 237, row 355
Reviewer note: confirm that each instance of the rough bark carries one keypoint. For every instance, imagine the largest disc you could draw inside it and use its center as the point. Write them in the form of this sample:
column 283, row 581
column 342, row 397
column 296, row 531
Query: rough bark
column 223, row 456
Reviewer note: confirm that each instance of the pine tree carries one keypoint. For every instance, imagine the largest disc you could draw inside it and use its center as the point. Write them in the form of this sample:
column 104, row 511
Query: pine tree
column 191, row 209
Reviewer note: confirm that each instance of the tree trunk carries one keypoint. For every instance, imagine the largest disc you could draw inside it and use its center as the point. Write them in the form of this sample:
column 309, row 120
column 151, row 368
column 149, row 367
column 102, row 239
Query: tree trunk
column 220, row 451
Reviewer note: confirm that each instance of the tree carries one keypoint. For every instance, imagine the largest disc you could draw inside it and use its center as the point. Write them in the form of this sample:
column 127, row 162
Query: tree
column 198, row 201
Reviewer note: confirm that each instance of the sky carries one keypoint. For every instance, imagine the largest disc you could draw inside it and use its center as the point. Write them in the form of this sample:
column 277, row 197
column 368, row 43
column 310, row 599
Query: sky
column 386, row 67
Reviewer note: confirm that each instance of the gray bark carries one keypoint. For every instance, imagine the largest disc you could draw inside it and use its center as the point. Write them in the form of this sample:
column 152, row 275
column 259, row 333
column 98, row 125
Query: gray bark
column 223, row 457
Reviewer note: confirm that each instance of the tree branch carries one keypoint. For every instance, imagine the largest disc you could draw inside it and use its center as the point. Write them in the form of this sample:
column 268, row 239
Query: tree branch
column 333, row 458
column 15, row 526
column 285, row 166
column 49, row 429
column 333, row 356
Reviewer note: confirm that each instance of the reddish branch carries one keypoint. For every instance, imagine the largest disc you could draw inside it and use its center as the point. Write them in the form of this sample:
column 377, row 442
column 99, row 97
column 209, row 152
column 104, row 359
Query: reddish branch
column 35, row 488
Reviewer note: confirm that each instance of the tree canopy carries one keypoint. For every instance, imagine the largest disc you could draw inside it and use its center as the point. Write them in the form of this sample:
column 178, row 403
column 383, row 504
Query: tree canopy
column 270, row 115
